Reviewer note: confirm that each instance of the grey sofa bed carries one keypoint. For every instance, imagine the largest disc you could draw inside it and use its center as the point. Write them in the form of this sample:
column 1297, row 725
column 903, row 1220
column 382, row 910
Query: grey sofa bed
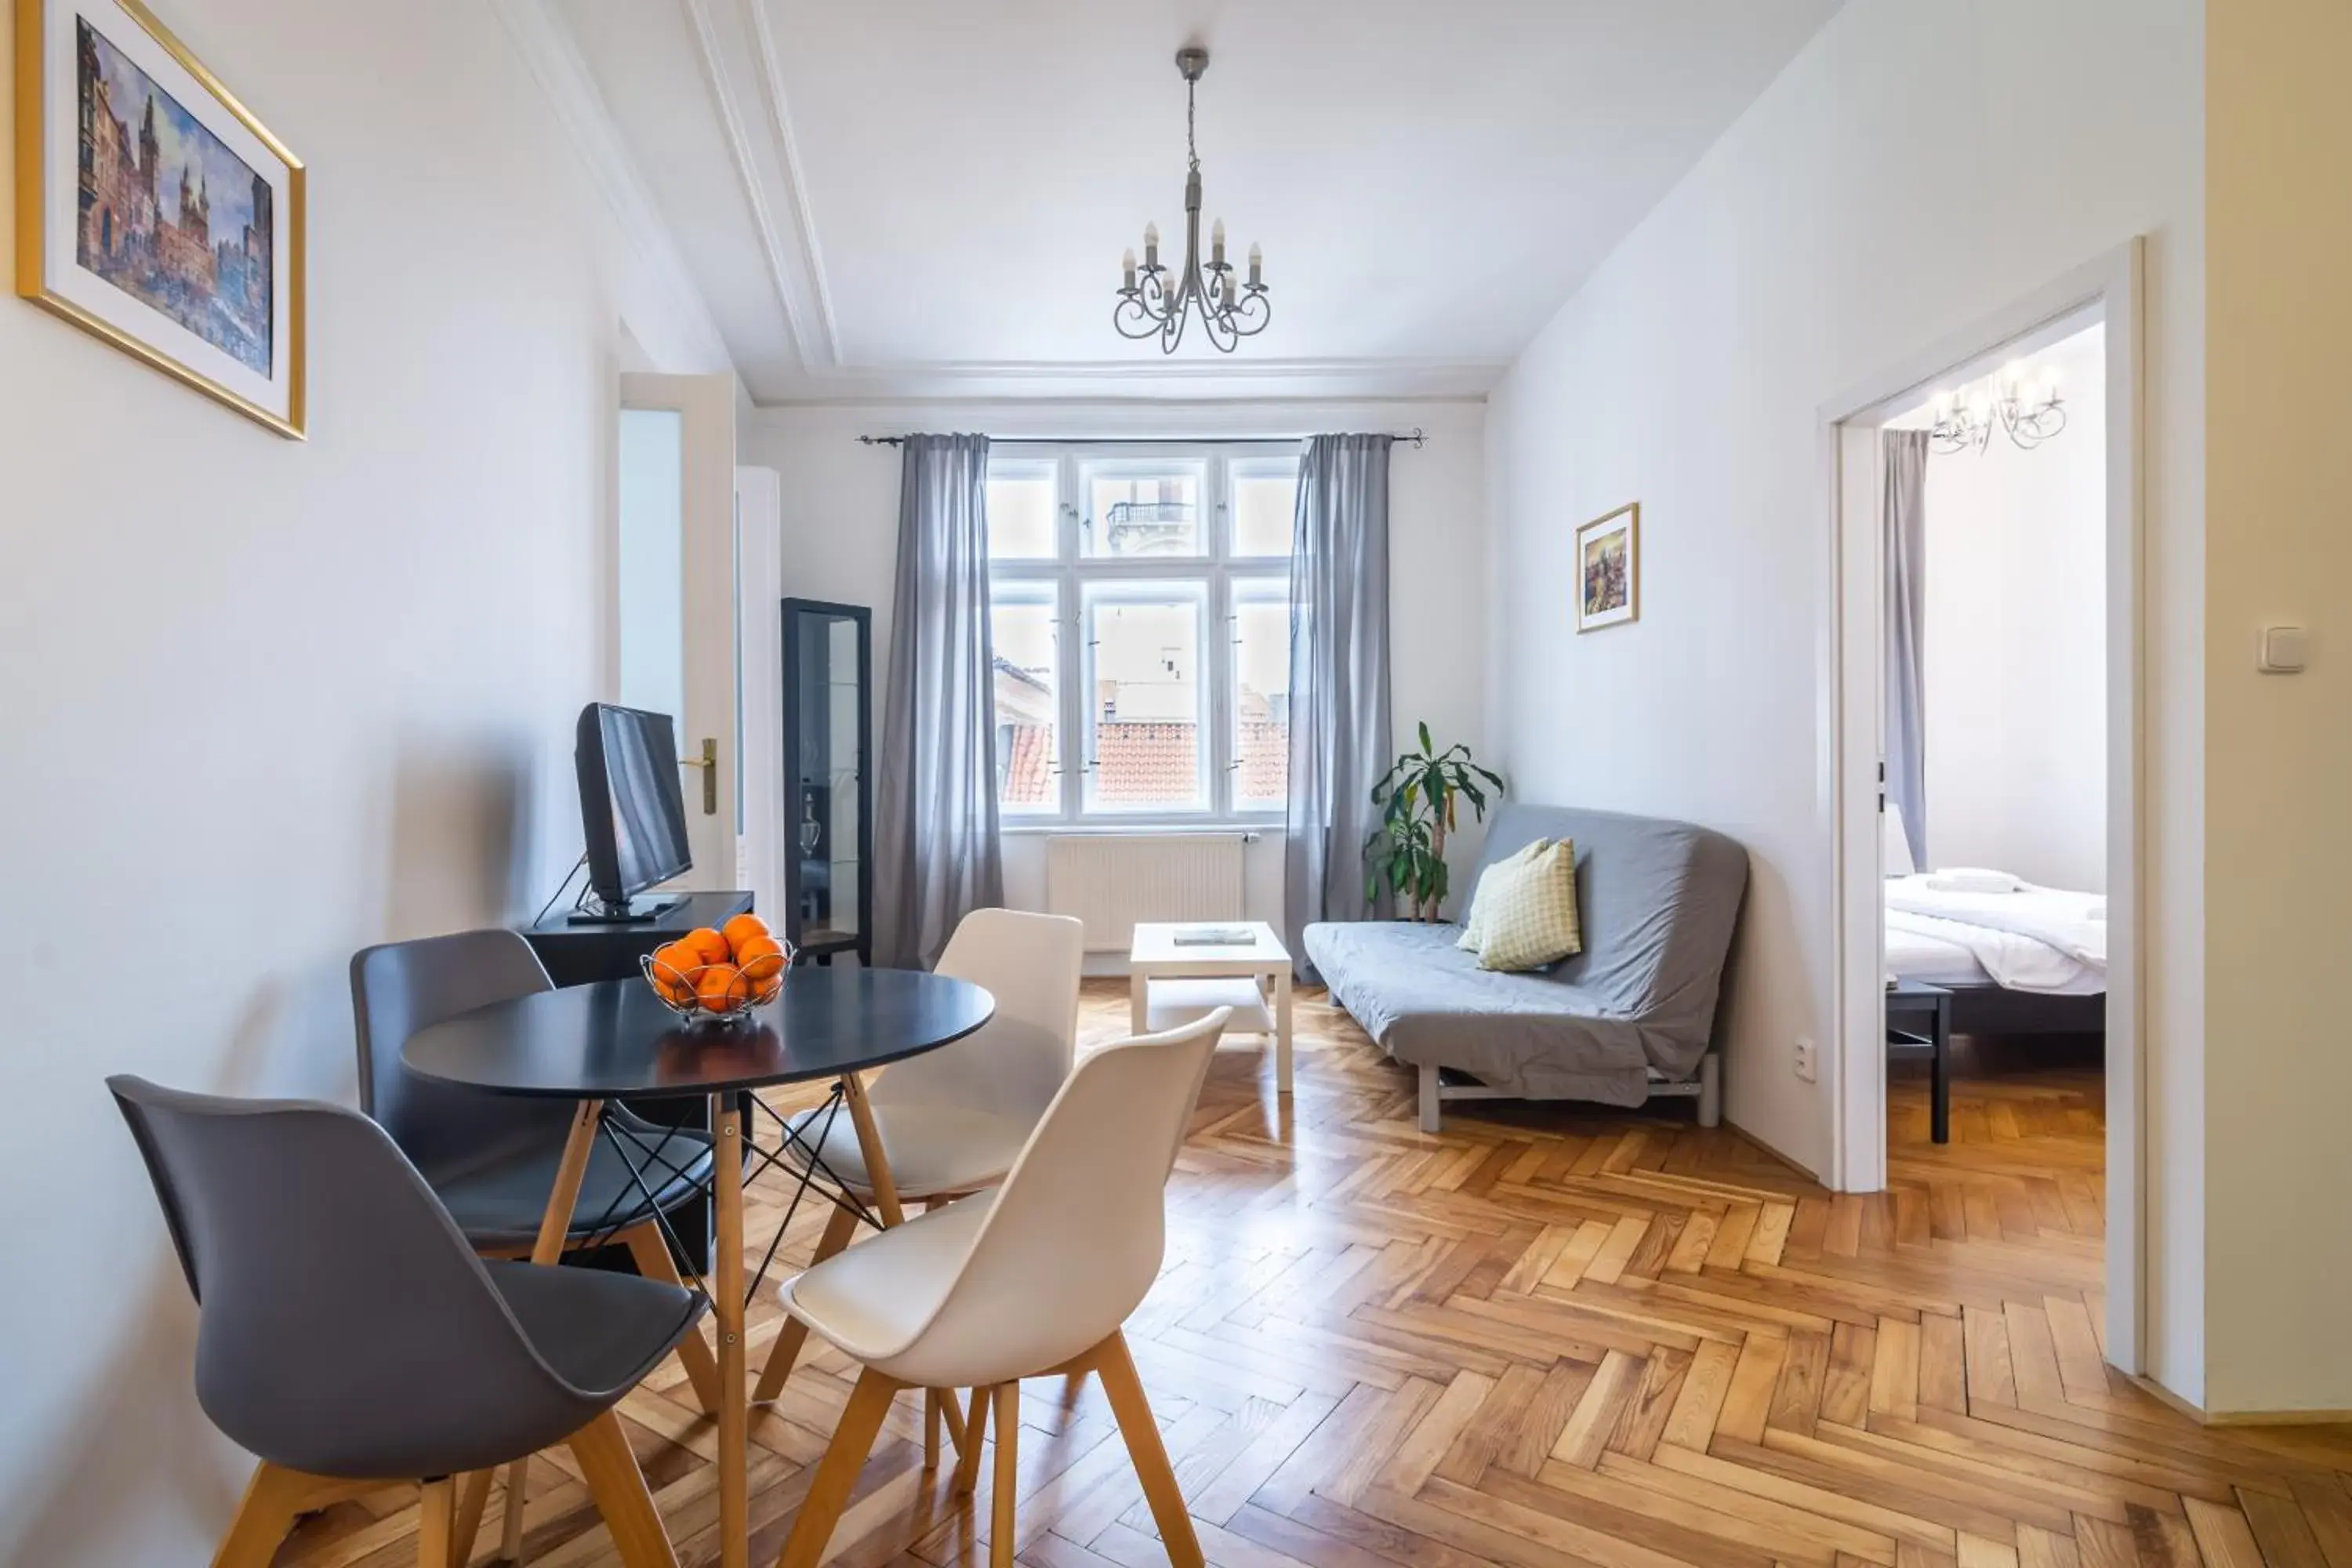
column 1629, row 1017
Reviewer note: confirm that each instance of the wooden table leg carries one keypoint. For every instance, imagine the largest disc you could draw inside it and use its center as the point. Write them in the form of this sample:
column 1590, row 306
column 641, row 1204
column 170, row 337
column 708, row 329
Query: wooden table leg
column 1282, row 1031
column 727, row 1293
column 869, row 1147
column 555, row 1225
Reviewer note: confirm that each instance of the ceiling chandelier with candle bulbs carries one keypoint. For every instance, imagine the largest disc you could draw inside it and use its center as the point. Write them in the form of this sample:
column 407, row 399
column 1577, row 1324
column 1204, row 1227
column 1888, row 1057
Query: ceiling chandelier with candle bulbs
column 2028, row 410
column 1159, row 302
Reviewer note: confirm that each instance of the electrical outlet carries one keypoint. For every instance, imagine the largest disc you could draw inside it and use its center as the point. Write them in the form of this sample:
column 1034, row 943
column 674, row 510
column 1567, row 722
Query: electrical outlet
column 1805, row 1065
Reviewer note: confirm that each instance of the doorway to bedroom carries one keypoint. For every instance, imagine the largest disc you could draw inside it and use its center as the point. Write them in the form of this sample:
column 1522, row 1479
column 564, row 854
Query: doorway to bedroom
column 1986, row 755
column 1992, row 513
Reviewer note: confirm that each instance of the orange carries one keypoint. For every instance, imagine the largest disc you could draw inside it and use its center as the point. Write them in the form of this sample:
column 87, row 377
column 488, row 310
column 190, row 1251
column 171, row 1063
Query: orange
column 761, row 958
column 722, row 988
column 710, row 943
column 673, row 972
column 741, row 929
column 767, row 990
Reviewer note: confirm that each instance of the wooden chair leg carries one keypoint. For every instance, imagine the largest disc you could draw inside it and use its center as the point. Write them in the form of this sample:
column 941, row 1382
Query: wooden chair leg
column 473, row 1501
column 1007, row 1484
column 1125, row 1391
column 518, row 1490
column 967, row 1470
column 951, row 1415
column 436, row 1525
column 650, row 1252
column 838, row 1228
column 836, row 1473
column 931, row 1429
column 619, row 1489
column 272, row 1499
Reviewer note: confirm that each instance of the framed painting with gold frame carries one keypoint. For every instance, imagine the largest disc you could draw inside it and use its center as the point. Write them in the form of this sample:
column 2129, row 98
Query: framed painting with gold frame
column 1609, row 569
column 153, row 210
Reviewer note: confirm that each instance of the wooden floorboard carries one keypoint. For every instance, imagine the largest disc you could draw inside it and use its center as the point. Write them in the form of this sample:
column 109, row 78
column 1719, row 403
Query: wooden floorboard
column 1548, row 1336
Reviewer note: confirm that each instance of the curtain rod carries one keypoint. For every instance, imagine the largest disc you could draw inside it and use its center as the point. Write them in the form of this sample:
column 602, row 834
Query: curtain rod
column 1408, row 437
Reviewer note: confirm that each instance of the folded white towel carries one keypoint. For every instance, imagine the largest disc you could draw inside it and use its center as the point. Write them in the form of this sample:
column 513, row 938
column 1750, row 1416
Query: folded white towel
column 1972, row 879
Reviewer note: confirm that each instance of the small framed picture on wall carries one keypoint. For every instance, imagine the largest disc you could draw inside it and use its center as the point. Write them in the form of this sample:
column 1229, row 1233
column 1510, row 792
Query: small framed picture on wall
column 1609, row 570
column 153, row 211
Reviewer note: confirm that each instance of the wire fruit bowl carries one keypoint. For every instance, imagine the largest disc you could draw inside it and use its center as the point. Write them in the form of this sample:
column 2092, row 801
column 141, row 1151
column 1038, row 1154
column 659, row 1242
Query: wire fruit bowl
column 714, row 994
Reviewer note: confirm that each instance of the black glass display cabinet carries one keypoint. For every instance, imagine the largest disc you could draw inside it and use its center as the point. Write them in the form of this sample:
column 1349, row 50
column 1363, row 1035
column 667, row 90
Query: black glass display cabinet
column 828, row 906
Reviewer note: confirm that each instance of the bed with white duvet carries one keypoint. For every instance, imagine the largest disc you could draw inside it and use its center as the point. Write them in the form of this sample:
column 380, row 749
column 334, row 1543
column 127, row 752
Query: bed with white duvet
column 1987, row 928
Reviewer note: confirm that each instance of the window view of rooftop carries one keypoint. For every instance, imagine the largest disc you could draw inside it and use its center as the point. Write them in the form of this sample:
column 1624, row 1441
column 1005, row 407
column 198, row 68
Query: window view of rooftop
column 1171, row 717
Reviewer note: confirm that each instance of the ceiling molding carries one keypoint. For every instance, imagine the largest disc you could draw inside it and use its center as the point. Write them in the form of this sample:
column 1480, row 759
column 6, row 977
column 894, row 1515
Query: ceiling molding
column 738, row 60
column 780, row 119
column 1254, row 380
column 548, row 48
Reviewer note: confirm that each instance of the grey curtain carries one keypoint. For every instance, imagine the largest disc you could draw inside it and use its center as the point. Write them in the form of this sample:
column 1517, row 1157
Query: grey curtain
column 1903, row 514
column 1339, row 678
column 935, row 848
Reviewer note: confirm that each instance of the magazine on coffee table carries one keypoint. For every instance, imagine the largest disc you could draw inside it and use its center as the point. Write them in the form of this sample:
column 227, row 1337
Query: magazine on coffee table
column 1214, row 936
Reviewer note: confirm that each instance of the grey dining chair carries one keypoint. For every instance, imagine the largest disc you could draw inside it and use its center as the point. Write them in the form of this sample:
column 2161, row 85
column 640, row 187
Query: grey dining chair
column 350, row 1338
column 492, row 1159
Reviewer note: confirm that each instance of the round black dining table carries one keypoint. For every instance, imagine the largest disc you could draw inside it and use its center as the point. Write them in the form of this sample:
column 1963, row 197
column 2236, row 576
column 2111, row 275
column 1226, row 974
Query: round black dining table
column 613, row 1039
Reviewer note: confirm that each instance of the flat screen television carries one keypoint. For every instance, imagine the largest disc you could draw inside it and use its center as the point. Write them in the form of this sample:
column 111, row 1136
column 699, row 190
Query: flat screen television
column 631, row 810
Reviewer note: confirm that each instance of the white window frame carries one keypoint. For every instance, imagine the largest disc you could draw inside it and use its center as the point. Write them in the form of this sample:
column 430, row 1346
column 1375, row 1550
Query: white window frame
column 1070, row 574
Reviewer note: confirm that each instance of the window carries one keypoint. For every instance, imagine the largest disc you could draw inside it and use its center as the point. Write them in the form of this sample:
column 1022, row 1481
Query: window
column 1024, row 624
column 1141, row 614
column 1261, row 694
column 1024, row 508
column 1265, row 502
column 1147, row 507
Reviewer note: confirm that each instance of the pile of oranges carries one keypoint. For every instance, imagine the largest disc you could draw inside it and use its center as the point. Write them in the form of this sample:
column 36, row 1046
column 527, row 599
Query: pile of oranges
column 720, row 971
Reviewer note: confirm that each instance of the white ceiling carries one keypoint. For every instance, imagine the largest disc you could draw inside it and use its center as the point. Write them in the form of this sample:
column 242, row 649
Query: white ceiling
column 928, row 197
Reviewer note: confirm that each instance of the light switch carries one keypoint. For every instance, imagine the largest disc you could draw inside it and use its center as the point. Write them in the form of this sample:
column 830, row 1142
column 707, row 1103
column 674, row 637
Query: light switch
column 2285, row 649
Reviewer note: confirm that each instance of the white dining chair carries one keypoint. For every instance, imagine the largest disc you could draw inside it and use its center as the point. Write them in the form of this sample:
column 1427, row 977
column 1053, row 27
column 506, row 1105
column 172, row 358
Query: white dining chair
column 953, row 1120
column 1032, row 1280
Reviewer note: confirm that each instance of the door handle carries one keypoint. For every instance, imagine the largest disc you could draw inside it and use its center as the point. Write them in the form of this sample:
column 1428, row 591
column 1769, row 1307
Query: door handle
column 708, row 763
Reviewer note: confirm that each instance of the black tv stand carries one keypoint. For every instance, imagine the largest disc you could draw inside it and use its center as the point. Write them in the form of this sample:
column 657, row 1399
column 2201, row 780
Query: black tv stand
column 632, row 913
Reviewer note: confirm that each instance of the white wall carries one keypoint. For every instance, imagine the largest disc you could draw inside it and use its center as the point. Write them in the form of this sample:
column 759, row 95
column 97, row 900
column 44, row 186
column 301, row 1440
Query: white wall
column 841, row 526
column 2014, row 660
column 269, row 701
column 1916, row 169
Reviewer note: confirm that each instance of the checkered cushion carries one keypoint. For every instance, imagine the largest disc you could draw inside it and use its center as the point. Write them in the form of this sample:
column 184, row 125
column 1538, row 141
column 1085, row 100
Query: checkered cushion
column 1473, row 927
column 1526, row 911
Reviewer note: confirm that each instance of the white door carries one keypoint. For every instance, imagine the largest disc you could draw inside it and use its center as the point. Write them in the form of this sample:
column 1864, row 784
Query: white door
column 760, row 591
column 675, row 575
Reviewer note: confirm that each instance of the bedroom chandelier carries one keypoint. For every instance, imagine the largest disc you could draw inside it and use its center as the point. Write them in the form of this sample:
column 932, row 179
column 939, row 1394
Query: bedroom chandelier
column 1969, row 419
column 1156, row 301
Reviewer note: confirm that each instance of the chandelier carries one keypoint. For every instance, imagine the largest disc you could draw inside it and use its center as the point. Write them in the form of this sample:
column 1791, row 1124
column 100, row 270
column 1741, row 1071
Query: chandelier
column 1969, row 419
column 1156, row 301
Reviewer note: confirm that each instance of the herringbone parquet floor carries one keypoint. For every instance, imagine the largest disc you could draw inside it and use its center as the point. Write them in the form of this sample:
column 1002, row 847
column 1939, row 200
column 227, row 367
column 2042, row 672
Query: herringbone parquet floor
column 1548, row 1338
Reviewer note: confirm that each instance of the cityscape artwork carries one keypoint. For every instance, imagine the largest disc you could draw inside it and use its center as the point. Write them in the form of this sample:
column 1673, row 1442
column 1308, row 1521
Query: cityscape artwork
column 162, row 216
column 169, row 214
column 1609, row 569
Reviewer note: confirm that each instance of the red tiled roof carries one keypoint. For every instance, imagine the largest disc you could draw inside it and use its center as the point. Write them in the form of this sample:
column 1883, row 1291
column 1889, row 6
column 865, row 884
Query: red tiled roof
column 1027, row 764
column 1265, row 761
column 1139, row 764
column 1145, row 764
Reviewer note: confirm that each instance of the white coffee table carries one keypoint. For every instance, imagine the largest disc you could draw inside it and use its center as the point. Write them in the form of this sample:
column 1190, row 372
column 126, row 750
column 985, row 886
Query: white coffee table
column 1173, row 983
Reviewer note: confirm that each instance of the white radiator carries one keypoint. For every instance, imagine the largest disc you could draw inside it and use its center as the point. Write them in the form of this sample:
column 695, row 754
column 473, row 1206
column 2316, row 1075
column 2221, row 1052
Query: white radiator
column 1111, row 880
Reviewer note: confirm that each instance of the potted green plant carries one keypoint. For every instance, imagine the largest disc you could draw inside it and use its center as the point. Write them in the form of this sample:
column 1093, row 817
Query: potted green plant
column 1417, row 796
